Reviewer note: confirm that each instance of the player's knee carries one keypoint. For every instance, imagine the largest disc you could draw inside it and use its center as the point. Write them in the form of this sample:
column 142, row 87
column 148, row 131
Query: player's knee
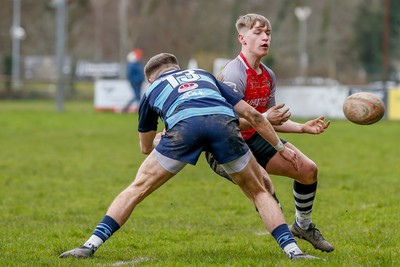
column 310, row 173
column 251, row 185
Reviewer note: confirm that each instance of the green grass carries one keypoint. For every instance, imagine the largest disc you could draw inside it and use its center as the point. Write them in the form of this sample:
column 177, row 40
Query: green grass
column 60, row 171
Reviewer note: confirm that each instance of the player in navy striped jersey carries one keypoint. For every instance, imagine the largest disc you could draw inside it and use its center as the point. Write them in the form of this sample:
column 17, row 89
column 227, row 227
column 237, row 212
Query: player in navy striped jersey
column 199, row 114
column 256, row 83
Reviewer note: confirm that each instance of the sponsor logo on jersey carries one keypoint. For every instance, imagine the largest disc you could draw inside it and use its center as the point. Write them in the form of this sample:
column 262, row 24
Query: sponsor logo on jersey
column 255, row 103
column 187, row 87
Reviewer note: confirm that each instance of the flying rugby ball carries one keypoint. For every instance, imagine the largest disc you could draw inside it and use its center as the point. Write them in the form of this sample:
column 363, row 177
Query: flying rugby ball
column 363, row 108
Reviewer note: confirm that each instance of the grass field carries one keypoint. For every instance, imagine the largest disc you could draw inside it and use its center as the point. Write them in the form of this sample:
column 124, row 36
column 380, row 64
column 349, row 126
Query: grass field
column 60, row 171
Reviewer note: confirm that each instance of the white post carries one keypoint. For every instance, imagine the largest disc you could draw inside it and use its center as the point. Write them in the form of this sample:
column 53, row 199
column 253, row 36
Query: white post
column 60, row 53
column 123, row 4
column 302, row 14
column 17, row 34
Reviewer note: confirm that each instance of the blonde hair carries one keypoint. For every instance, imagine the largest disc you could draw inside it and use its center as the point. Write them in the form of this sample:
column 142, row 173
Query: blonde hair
column 159, row 64
column 249, row 20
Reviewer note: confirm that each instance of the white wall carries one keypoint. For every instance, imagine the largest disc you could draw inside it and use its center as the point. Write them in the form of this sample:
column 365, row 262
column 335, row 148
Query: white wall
column 313, row 101
column 303, row 101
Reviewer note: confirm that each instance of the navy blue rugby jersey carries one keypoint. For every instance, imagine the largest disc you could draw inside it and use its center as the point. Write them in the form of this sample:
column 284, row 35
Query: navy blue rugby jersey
column 182, row 94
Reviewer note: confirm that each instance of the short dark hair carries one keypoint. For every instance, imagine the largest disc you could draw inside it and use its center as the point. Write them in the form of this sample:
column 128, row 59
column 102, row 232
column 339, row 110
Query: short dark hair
column 157, row 61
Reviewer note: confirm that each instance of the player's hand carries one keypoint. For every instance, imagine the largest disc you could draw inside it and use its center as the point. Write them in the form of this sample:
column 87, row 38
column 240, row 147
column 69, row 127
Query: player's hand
column 315, row 126
column 157, row 138
column 291, row 156
column 276, row 116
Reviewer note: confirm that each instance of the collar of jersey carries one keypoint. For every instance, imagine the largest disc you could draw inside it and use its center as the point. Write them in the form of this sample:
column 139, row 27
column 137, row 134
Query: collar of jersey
column 168, row 73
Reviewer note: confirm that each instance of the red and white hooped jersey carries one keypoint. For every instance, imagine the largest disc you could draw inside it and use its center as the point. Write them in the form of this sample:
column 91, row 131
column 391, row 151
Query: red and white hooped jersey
column 257, row 89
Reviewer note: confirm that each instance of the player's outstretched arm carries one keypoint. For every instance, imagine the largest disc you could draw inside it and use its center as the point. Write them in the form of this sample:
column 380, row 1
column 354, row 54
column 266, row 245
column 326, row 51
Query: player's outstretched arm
column 275, row 115
column 265, row 129
column 315, row 126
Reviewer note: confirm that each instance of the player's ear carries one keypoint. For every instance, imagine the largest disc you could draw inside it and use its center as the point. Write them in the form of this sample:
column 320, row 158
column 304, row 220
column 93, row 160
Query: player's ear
column 241, row 38
column 150, row 78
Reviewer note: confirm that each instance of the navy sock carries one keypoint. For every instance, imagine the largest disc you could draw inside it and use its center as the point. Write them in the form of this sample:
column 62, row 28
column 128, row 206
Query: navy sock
column 106, row 228
column 283, row 236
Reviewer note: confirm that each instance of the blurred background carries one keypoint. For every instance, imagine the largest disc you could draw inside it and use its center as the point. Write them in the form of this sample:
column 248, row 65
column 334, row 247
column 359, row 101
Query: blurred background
column 51, row 47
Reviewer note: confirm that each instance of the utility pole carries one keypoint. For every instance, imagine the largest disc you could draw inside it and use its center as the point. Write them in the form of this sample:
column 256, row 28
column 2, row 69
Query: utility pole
column 302, row 13
column 385, row 41
column 60, row 53
column 123, row 4
column 17, row 34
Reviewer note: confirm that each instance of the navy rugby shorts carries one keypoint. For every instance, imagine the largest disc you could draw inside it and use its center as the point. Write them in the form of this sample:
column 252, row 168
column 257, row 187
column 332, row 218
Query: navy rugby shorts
column 218, row 134
column 261, row 149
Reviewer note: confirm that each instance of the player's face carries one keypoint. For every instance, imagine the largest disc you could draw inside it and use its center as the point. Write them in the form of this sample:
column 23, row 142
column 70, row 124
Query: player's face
column 257, row 40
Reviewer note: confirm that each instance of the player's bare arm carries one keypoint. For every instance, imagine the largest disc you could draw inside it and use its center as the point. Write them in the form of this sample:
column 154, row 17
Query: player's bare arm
column 265, row 129
column 147, row 141
column 315, row 126
column 275, row 115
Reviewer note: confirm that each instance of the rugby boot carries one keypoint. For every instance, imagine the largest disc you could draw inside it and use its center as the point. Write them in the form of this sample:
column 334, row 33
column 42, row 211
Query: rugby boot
column 312, row 235
column 80, row 252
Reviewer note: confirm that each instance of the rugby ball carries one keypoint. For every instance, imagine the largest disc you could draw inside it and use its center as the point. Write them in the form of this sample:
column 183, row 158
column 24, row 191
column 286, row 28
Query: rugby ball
column 363, row 108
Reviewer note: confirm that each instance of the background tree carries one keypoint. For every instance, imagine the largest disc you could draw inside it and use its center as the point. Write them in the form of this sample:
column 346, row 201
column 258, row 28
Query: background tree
column 369, row 38
column 343, row 37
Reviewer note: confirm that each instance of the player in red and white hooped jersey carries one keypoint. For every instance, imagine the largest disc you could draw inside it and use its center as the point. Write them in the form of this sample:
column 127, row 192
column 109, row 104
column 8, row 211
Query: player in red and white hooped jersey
column 248, row 76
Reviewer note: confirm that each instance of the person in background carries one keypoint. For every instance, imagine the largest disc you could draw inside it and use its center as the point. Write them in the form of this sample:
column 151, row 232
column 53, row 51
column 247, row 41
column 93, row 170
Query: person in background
column 135, row 76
